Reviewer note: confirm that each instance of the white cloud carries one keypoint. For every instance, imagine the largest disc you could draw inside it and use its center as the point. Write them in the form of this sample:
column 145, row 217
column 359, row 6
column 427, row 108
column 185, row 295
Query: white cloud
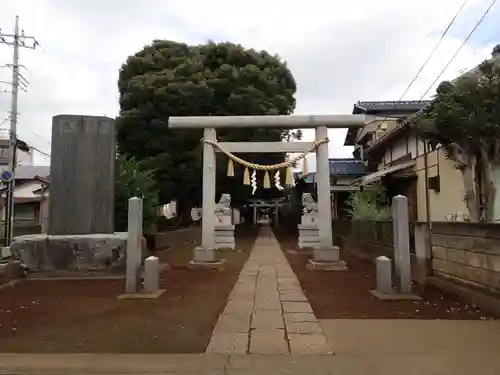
column 339, row 51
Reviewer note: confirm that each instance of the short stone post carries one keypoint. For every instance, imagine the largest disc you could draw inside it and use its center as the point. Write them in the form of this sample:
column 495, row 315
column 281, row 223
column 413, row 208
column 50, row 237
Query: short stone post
column 151, row 274
column 422, row 252
column 134, row 245
column 401, row 243
column 384, row 275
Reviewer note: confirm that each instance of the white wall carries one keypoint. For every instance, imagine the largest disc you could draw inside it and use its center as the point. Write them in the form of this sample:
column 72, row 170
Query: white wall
column 26, row 190
column 399, row 149
column 24, row 158
column 402, row 147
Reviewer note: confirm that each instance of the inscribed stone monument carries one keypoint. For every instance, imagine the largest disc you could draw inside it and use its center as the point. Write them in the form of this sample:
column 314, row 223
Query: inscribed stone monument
column 82, row 175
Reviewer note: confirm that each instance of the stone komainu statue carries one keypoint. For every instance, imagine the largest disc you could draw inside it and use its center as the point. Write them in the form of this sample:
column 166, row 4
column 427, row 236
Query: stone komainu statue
column 308, row 203
column 224, row 205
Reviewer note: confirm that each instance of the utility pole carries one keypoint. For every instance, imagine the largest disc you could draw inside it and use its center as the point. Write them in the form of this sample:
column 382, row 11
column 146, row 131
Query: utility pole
column 17, row 40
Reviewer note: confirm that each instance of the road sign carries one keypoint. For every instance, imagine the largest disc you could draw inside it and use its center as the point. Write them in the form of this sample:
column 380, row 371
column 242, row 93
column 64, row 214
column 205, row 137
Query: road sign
column 6, row 176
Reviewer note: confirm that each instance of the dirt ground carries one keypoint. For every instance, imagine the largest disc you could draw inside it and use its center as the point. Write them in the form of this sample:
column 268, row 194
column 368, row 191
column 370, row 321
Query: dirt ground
column 345, row 295
column 86, row 316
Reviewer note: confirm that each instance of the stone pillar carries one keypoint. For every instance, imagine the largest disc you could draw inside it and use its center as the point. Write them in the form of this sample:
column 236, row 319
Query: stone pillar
column 206, row 253
column 82, row 175
column 325, row 255
column 401, row 243
column 134, row 245
column 151, row 274
column 384, row 275
column 208, row 208
column 323, row 186
column 422, row 252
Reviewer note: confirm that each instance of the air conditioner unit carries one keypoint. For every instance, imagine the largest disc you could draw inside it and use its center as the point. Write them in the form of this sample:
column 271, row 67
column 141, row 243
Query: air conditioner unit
column 433, row 183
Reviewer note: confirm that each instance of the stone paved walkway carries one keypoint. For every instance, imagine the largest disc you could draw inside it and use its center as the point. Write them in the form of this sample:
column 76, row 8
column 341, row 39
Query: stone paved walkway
column 267, row 311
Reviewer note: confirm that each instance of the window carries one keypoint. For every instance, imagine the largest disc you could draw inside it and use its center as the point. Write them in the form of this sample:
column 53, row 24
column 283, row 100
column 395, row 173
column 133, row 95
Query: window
column 4, row 152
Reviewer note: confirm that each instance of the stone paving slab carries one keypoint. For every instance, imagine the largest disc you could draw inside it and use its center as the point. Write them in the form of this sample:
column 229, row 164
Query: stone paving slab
column 267, row 319
column 228, row 343
column 297, row 307
column 299, row 317
column 311, row 343
column 293, row 296
column 268, row 341
column 245, row 364
column 267, row 311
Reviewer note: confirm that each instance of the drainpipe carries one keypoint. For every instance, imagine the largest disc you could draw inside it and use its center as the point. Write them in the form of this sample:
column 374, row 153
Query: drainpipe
column 426, row 176
column 427, row 200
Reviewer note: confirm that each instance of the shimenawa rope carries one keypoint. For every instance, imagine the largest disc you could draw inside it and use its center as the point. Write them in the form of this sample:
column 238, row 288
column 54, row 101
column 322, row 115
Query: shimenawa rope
column 289, row 163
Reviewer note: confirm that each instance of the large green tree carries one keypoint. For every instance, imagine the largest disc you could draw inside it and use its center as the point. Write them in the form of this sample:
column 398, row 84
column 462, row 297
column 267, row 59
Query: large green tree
column 464, row 118
column 169, row 78
column 134, row 180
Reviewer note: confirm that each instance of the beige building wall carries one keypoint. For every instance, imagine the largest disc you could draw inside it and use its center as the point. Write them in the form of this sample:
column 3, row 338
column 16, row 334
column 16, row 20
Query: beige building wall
column 450, row 199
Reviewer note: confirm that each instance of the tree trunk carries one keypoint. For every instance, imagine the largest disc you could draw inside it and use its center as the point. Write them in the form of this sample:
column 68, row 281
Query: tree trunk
column 489, row 189
column 471, row 196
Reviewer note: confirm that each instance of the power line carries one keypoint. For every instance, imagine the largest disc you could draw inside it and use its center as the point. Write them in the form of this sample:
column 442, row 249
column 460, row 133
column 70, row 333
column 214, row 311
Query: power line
column 18, row 40
column 422, row 67
column 443, row 34
column 40, row 151
column 455, row 54
column 460, row 48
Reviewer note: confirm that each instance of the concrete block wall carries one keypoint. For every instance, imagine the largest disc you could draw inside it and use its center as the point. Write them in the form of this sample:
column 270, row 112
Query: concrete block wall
column 467, row 253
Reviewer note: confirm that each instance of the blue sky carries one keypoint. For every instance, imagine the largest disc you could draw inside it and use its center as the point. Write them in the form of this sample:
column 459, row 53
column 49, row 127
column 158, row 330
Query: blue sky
column 488, row 31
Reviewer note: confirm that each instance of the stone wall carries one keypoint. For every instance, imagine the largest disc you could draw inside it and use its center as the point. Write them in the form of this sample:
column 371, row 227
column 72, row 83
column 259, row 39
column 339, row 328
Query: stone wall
column 467, row 253
column 165, row 240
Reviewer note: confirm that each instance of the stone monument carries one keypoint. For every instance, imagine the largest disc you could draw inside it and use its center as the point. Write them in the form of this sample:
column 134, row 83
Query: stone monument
column 81, row 208
column 82, row 175
column 308, row 227
column 224, row 228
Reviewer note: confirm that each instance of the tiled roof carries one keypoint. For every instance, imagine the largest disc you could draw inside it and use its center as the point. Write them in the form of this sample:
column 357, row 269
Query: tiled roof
column 399, row 109
column 339, row 168
column 388, row 106
column 346, row 167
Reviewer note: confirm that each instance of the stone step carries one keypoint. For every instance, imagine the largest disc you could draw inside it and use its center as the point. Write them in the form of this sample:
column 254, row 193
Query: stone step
column 223, row 239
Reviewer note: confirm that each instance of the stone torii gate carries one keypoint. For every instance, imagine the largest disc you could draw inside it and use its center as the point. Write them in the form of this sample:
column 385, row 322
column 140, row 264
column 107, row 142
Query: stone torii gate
column 262, row 203
column 326, row 256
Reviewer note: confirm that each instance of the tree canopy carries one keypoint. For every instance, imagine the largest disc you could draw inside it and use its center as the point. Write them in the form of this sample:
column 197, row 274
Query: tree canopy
column 133, row 180
column 464, row 118
column 168, row 78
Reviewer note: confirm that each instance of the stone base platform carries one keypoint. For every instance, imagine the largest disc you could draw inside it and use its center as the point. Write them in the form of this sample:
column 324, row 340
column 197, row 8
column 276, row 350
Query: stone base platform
column 206, row 258
column 326, row 266
column 395, row 296
column 154, row 295
column 10, row 270
column 216, row 265
column 326, row 259
column 91, row 252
